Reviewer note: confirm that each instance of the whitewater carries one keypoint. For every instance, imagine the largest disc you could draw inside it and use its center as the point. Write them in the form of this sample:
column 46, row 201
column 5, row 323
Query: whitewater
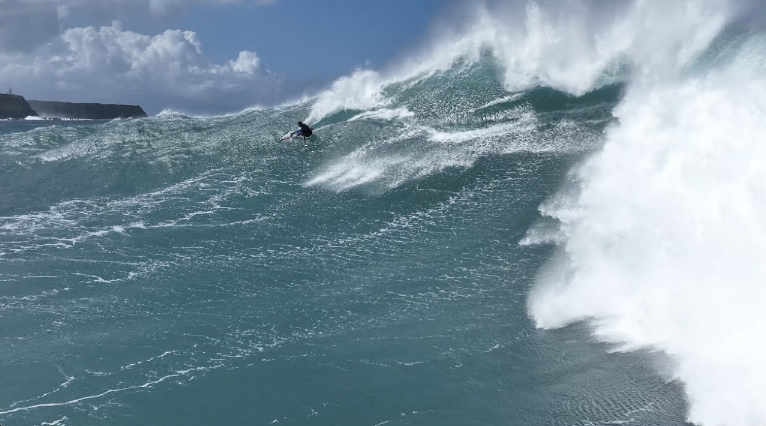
column 547, row 213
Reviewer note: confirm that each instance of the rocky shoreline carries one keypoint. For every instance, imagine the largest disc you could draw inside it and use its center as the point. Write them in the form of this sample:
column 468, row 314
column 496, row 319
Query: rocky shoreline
column 15, row 107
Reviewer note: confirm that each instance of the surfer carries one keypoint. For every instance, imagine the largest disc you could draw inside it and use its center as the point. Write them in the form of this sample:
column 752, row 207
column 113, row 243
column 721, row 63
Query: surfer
column 304, row 130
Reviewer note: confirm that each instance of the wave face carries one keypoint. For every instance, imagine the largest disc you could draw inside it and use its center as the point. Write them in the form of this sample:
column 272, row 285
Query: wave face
column 443, row 252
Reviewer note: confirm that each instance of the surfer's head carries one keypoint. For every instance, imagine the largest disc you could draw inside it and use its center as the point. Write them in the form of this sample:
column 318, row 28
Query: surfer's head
column 300, row 123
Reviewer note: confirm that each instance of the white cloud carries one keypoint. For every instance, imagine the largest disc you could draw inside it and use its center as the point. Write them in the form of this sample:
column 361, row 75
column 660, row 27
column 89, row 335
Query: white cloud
column 42, row 59
column 247, row 63
column 109, row 64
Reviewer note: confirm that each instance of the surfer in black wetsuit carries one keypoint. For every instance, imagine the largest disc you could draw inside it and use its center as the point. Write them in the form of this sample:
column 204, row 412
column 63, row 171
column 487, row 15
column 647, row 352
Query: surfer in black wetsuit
column 304, row 131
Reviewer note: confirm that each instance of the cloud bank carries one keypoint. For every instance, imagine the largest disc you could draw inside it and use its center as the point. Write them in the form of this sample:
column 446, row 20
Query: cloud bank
column 42, row 60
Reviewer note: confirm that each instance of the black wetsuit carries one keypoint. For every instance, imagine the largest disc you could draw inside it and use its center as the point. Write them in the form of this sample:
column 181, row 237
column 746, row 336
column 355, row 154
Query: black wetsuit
column 305, row 130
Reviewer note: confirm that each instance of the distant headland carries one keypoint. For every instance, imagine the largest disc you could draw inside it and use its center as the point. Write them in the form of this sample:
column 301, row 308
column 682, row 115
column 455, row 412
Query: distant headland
column 16, row 107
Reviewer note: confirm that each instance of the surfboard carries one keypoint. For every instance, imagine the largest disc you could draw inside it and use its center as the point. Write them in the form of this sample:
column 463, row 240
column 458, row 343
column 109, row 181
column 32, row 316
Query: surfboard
column 288, row 136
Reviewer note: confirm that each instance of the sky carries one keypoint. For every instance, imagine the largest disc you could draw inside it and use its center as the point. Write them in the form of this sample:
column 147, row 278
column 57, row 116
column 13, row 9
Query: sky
column 200, row 56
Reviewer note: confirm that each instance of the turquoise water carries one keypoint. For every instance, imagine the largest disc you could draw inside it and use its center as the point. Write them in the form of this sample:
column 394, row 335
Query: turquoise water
column 186, row 270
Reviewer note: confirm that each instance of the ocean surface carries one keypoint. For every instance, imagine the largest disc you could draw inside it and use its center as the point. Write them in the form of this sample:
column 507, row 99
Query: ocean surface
column 557, row 222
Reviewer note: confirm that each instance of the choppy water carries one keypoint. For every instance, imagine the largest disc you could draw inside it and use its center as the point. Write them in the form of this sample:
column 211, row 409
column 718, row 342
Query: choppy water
column 523, row 226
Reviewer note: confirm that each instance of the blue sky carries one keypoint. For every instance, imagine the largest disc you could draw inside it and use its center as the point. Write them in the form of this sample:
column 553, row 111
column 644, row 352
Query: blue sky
column 332, row 35
column 202, row 56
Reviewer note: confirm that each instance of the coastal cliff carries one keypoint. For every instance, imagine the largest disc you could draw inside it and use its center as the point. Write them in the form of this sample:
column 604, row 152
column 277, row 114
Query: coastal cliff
column 15, row 106
column 91, row 111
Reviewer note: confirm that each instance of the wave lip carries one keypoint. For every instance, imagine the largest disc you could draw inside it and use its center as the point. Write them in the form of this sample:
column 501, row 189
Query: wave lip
column 567, row 46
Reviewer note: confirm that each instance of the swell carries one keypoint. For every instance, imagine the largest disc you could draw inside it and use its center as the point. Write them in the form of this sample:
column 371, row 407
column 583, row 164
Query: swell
column 122, row 158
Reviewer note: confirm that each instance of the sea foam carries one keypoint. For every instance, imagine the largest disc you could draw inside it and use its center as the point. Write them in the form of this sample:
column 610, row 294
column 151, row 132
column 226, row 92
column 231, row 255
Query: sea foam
column 663, row 243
